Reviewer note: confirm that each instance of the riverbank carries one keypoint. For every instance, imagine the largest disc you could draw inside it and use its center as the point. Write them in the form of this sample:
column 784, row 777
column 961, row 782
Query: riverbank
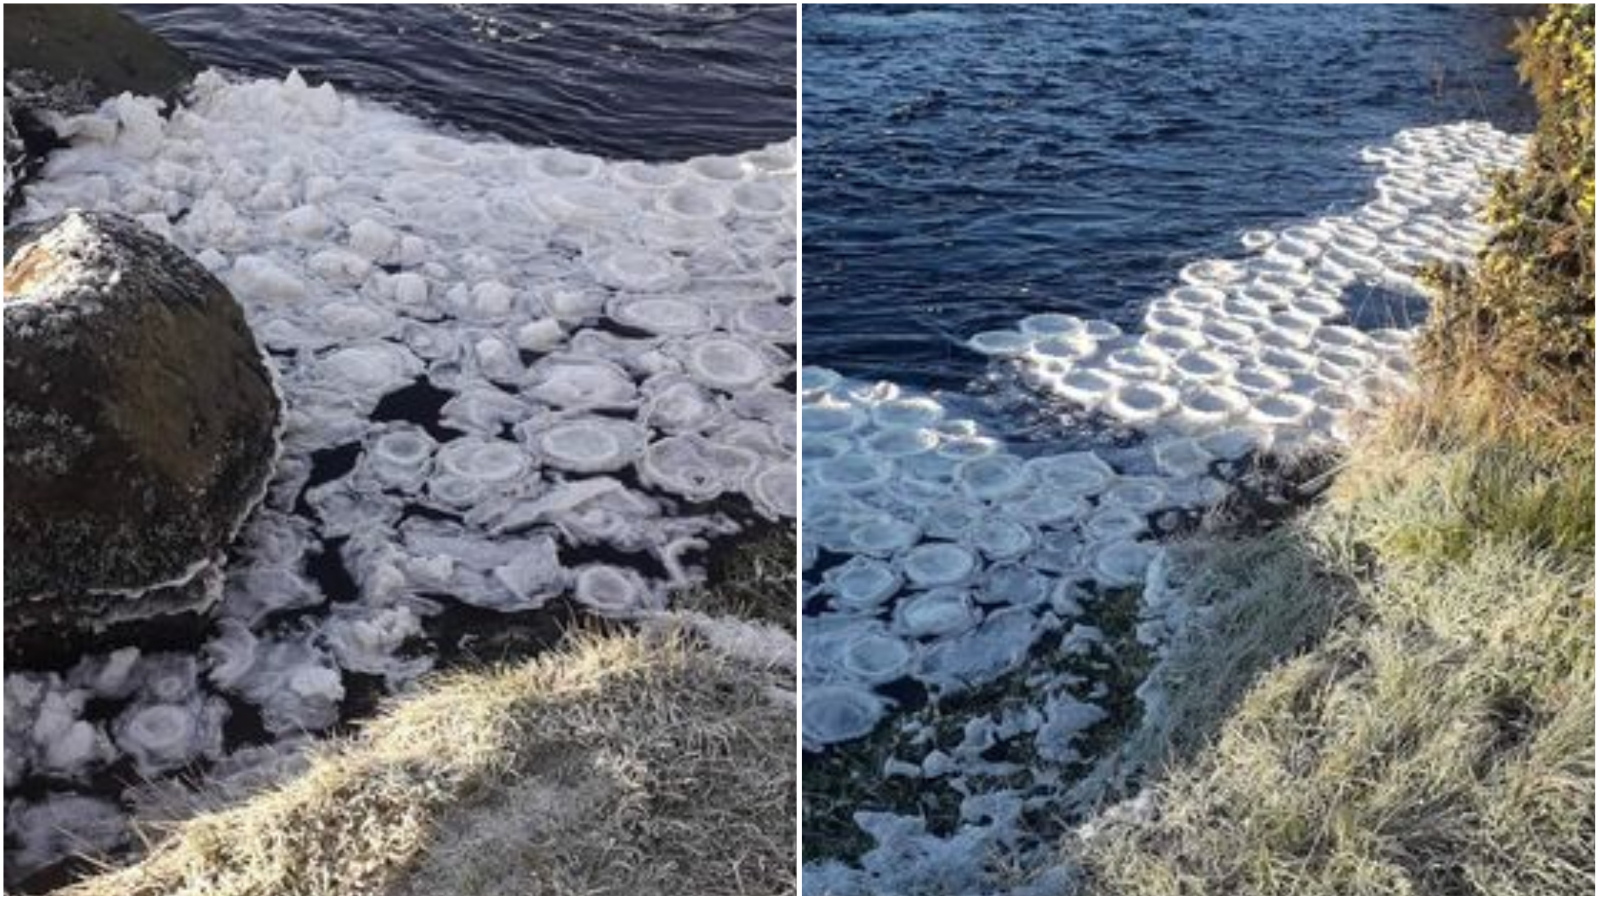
column 1438, row 736
column 1380, row 685
column 505, row 778
column 1007, row 695
column 624, row 763
column 1424, row 725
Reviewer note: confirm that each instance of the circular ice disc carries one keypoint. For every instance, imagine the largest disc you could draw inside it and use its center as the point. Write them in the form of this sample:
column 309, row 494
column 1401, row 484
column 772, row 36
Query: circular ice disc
column 727, row 364
column 938, row 563
column 993, row 476
column 1000, row 343
column 836, row 713
column 591, row 445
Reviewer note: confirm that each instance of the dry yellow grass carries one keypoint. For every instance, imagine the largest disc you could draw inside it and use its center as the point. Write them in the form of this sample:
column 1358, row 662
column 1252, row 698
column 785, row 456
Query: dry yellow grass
column 622, row 764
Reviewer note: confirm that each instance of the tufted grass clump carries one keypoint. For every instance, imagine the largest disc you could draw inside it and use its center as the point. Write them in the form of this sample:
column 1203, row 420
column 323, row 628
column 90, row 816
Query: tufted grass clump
column 753, row 581
column 1451, row 482
column 1263, row 597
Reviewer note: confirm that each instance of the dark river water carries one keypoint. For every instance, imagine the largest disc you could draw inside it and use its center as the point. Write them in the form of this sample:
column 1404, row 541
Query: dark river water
column 966, row 166
column 636, row 82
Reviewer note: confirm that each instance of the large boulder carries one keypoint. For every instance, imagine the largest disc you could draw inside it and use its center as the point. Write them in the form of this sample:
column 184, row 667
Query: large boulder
column 141, row 425
column 67, row 58
column 93, row 44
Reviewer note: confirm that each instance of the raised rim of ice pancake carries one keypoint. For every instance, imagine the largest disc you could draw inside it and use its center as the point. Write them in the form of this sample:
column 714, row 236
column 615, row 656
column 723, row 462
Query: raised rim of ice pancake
column 727, row 363
column 1000, row 343
column 1042, row 325
column 816, row 379
column 1137, row 363
column 1211, row 272
column 939, row 611
column 1206, row 405
column 830, row 714
column 876, row 657
column 1000, row 538
column 992, row 476
column 1081, row 473
column 1140, row 402
column 590, row 444
column 831, row 418
column 908, row 412
column 862, row 583
column 854, row 471
column 938, row 563
column 1167, row 315
column 885, row 536
column 901, row 441
column 659, row 314
column 1087, row 387
column 1205, row 365
column 1122, row 562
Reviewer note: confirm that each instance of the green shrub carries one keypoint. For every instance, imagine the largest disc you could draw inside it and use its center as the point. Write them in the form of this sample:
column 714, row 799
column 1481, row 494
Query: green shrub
column 1521, row 324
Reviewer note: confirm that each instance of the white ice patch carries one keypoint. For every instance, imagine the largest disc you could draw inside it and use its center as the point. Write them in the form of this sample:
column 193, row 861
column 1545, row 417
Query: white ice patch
column 61, row 825
column 1257, row 343
column 614, row 337
column 945, row 556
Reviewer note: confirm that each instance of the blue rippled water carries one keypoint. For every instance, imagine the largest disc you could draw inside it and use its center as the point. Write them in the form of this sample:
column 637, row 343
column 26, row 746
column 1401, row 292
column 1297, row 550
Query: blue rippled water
column 628, row 82
column 965, row 166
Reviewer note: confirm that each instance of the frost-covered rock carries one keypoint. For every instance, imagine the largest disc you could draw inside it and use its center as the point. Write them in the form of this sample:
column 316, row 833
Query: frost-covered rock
column 141, row 424
column 57, row 68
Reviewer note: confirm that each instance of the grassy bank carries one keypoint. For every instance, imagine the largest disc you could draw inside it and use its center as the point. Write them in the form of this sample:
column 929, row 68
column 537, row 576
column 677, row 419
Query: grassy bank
column 622, row 764
column 1435, row 733
column 1437, row 738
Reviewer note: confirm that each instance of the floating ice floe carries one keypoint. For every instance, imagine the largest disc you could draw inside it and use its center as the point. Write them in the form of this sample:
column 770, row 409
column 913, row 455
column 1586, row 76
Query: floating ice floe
column 1269, row 325
column 611, row 341
column 1272, row 351
column 1245, row 355
column 833, row 713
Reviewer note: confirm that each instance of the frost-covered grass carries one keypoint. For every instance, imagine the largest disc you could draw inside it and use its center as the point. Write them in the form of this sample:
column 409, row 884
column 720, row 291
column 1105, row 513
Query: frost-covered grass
column 622, row 764
column 1264, row 596
column 1440, row 738
column 755, row 581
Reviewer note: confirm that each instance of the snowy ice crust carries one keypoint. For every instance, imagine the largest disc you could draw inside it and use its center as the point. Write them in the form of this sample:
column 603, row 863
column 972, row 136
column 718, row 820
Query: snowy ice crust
column 933, row 552
column 613, row 334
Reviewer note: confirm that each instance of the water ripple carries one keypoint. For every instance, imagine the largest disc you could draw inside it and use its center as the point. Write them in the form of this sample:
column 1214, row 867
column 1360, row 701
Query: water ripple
column 965, row 166
column 633, row 82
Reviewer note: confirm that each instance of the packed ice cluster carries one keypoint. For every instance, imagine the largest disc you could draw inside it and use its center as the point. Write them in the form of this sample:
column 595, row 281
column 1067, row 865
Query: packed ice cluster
column 1267, row 345
column 935, row 552
column 612, row 341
